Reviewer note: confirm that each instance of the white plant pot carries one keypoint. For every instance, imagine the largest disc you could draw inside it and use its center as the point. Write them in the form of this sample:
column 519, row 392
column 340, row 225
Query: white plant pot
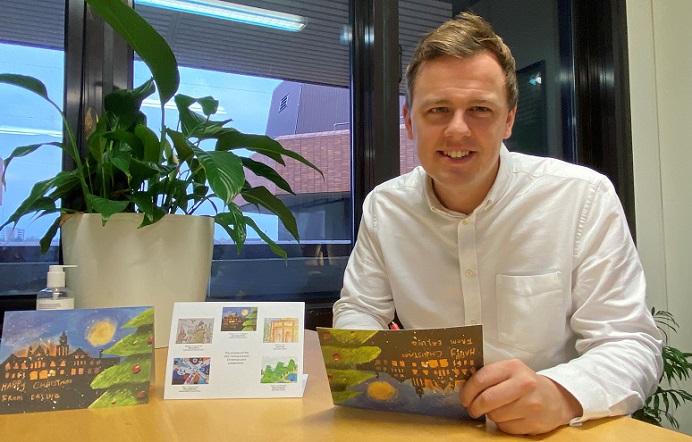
column 120, row 265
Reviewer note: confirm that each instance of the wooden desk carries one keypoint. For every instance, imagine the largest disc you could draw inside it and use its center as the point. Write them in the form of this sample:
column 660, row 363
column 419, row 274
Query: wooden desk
column 312, row 418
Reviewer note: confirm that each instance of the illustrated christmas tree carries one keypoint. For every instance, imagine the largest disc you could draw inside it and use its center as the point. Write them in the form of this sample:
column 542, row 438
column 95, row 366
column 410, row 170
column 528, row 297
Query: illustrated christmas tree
column 279, row 373
column 343, row 350
column 128, row 382
column 250, row 323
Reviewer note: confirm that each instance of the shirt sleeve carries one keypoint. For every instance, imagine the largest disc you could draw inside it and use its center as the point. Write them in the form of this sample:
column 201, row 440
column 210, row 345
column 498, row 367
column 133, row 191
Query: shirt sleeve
column 617, row 339
column 366, row 297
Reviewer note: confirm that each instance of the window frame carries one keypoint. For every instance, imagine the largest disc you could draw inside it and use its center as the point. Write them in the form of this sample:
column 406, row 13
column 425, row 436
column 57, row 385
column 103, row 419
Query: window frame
column 596, row 57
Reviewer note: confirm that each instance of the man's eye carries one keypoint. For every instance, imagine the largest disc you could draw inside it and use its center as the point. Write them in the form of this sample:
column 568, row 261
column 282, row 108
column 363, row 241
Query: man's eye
column 480, row 109
column 438, row 110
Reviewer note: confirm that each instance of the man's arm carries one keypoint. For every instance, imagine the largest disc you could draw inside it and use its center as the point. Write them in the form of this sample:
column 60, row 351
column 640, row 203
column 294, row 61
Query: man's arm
column 366, row 299
column 617, row 339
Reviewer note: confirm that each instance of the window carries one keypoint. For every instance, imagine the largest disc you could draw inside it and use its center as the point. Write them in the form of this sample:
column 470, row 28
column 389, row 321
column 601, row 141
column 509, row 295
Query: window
column 252, row 71
column 415, row 19
column 31, row 43
column 316, row 91
column 538, row 46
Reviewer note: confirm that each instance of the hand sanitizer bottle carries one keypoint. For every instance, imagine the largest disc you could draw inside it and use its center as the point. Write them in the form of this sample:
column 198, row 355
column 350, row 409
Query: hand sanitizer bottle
column 55, row 296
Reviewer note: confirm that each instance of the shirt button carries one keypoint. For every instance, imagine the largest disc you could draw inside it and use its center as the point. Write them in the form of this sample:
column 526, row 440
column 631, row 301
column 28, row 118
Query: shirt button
column 469, row 273
column 466, row 221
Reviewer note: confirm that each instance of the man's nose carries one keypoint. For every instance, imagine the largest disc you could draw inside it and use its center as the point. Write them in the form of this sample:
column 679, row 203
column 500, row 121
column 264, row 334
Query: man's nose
column 457, row 126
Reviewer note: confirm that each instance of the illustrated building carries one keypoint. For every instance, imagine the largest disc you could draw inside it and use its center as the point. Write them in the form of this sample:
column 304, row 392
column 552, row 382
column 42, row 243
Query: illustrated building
column 284, row 330
column 43, row 363
column 232, row 322
column 431, row 370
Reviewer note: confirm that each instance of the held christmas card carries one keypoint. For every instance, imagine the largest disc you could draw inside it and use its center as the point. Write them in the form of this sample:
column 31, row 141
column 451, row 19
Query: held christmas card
column 67, row 359
column 235, row 350
column 410, row 371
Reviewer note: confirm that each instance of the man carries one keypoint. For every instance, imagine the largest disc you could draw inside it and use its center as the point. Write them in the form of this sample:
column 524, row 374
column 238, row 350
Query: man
column 535, row 249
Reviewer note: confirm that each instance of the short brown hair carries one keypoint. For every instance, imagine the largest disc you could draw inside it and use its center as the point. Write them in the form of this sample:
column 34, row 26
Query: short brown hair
column 463, row 36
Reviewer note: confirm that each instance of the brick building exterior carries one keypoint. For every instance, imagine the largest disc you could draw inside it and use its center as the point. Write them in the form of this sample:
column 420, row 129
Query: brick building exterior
column 331, row 152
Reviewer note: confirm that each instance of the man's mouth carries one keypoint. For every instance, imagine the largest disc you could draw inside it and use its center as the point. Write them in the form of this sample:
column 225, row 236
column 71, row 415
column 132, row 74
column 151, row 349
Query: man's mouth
column 456, row 153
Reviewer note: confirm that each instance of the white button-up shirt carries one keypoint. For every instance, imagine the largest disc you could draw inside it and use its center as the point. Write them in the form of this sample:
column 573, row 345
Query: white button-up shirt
column 545, row 263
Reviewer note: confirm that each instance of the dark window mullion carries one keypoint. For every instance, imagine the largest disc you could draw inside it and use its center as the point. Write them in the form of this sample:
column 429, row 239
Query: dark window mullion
column 96, row 62
column 375, row 73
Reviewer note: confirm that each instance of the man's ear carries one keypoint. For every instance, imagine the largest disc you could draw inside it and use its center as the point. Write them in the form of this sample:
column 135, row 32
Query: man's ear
column 509, row 123
column 407, row 121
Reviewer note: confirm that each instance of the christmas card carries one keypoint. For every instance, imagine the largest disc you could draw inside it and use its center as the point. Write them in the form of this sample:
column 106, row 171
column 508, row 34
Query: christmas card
column 235, row 350
column 410, row 371
column 82, row 358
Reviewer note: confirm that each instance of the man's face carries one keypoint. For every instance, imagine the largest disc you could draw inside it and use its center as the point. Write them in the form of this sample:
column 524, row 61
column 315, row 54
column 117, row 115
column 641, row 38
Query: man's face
column 458, row 119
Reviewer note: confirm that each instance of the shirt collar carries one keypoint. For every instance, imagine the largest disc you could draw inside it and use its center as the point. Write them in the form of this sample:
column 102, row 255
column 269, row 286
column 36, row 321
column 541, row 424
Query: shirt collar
column 498, row 188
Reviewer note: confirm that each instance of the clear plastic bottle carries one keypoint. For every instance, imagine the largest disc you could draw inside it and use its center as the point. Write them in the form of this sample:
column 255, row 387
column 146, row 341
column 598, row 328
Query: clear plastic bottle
column 55, row 296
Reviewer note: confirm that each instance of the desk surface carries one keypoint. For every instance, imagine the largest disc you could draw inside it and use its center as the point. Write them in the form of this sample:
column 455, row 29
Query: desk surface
column 311, row 418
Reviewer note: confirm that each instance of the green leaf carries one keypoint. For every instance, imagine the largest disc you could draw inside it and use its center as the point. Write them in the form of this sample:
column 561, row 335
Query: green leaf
column 65, row 182
column 233, row 222
column 128, row 138
column 183, row 101
column 122, row 162
column 141, row 171
column 144, row 202
column 26, row 150
column 29, row 205
column 233, row 139
column 261, row 196
column 183, row 147
column 106, row 207
column 261, row 144
column 209, row 105
column 272, row 245
column 152, row 146
column 224, row 171
column 262, row 170
column 26, row 82
column 96, row 143
column 195, row 125
column 49, row 235
column 44, row 204
column 145, row 41
column 125, row 104
column 151, row 218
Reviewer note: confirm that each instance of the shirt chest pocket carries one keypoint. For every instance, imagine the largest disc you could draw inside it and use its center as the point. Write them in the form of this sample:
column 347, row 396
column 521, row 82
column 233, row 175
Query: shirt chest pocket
column 530, row 313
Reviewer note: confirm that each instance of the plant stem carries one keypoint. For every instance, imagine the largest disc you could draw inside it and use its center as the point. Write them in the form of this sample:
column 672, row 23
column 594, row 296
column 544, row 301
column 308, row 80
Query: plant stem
column 78, row 161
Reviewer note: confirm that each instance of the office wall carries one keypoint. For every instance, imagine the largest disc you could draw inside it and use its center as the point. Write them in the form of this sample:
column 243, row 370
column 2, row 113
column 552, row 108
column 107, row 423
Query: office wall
column 660, row 58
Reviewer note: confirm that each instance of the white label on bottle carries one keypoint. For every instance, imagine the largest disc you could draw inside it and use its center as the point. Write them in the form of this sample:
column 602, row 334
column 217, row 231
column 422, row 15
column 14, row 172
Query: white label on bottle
column 55, row 304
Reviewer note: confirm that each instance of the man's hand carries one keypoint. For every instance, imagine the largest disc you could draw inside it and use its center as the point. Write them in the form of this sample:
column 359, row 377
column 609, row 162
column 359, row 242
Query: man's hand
column 517, row 399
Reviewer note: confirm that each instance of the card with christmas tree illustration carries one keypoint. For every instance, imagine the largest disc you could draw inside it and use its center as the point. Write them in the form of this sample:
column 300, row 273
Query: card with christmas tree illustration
column 235, row 350
column 410, row 371
column 82, row 358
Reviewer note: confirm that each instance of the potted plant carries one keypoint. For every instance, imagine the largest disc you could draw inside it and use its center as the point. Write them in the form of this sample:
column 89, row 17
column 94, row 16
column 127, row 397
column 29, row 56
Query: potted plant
column 149, row 179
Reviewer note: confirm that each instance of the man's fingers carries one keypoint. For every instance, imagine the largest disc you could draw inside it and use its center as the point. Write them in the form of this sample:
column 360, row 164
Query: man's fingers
column 485, row 378
column 495, row 398
column 506, row 413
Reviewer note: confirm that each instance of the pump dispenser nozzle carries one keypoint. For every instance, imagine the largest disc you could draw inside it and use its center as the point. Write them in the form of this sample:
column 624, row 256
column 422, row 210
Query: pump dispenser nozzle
column 55, row 295
column 56, row 276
